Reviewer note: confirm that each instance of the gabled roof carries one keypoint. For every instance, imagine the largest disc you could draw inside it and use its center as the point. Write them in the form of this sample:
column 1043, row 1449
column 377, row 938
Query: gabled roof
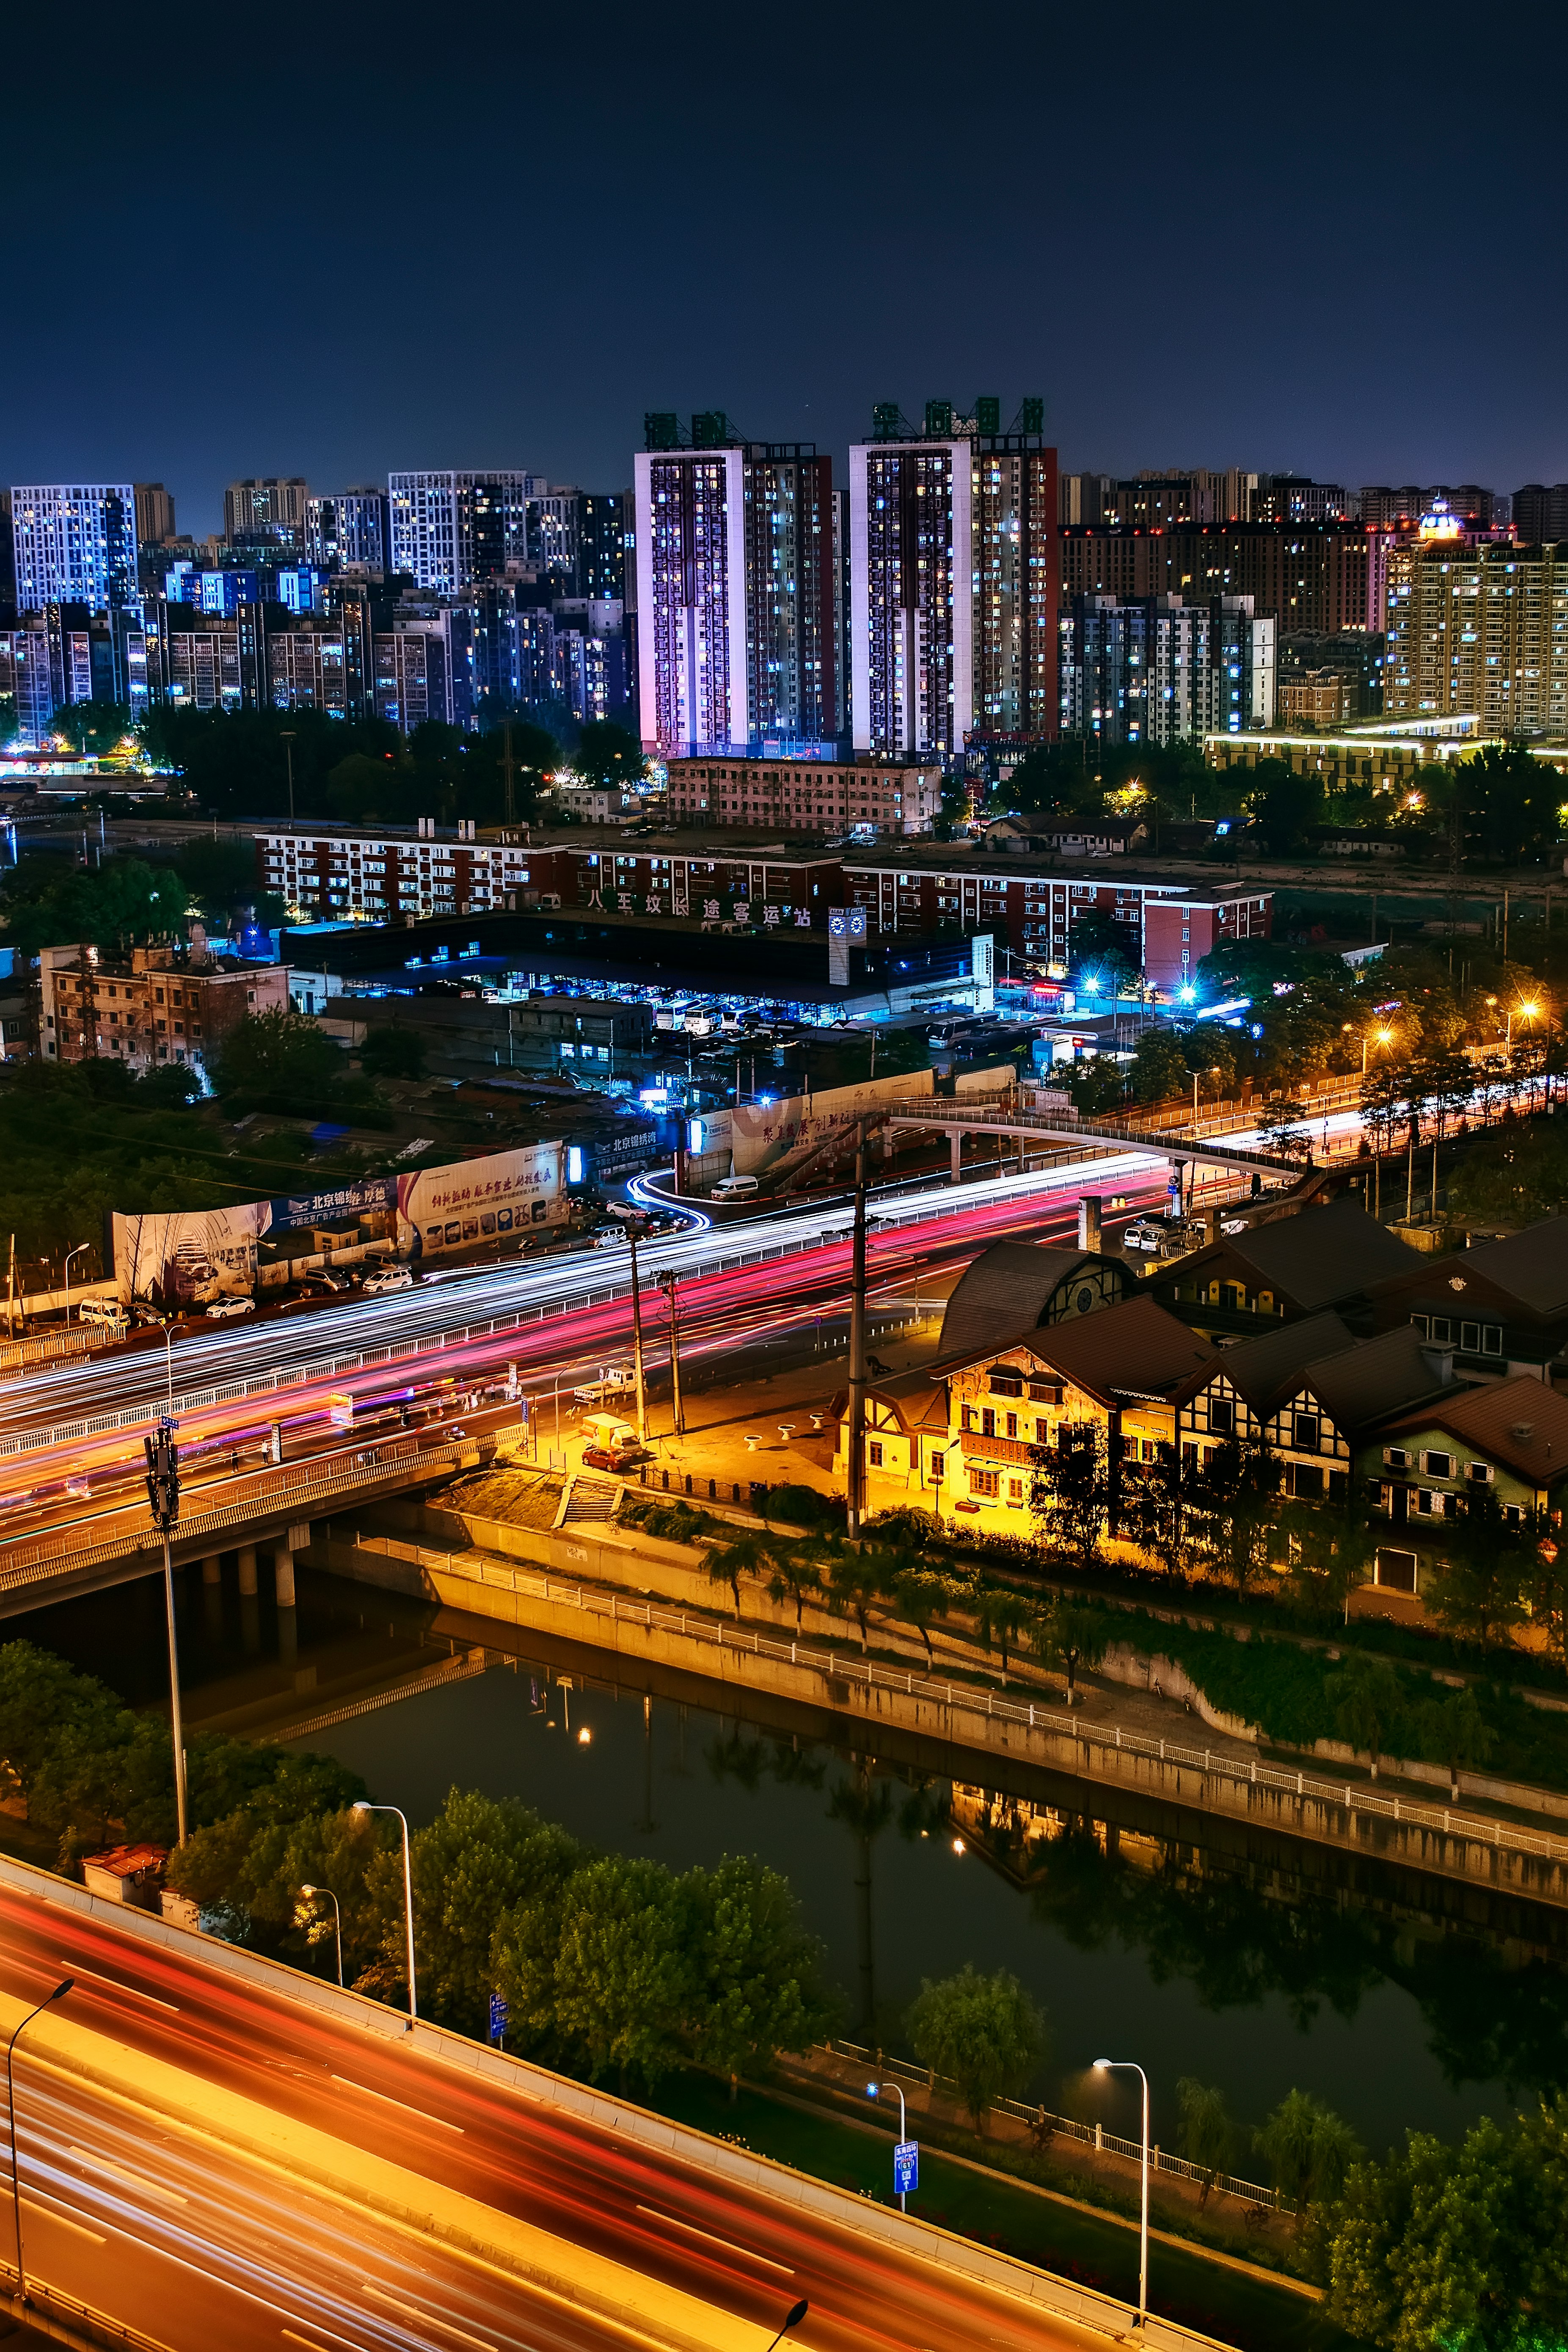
column 1314, row 1259
column 1006, row 1289
column 1379, row 1377
column 1523, row 1424
column 1531, row 1267
column 918, row 1400
column 1267, row 1371
column 1136, row 1349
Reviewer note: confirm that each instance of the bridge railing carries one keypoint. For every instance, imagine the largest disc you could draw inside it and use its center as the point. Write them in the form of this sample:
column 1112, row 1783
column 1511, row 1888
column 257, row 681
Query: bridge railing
column 976, row 1113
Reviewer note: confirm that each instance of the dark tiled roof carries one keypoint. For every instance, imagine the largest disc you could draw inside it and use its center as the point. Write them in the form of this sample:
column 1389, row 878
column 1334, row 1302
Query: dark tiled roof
column 1323, row 1254
column 1136, row 1350
column 1379, row 1377
column 1531, row 1267
column 1005, row 1290
column 1522, row 1423
column 1267, row 1369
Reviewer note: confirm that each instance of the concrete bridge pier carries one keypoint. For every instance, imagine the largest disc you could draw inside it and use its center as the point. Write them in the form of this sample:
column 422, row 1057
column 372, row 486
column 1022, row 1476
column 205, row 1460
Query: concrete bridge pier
column 247, row 1572
column 250, row 1606
column 955, row 1146
column 212, row 1594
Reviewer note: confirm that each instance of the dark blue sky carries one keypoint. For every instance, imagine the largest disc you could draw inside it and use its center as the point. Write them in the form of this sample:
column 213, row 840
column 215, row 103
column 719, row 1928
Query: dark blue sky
column 334, row 242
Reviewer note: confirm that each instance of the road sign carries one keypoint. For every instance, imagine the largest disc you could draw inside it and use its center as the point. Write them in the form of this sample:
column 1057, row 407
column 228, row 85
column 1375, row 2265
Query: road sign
column 906, row 2167
column 498, row 2014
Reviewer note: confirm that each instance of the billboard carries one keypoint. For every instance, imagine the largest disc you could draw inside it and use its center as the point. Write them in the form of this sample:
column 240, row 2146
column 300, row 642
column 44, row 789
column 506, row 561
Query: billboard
column 453, row 1208
column 190, row 1258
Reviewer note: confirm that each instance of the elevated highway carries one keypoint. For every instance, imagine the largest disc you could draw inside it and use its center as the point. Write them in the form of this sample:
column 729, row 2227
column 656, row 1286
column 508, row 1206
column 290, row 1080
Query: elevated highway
column 215, row 2149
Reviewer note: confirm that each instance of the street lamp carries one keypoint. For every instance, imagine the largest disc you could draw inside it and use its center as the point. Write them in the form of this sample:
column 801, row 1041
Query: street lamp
column 59, row 1993
column 874, row 2091
column 81, row 1251
column 164, row 1497
column 313, row 1893
column 792, row 2318
column 362, row 1807
column 1130, row 2066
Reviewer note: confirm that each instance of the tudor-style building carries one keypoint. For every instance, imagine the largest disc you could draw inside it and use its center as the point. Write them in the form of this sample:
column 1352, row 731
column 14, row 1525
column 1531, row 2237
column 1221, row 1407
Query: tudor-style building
column 1277, row 1273
column 1502, row 1306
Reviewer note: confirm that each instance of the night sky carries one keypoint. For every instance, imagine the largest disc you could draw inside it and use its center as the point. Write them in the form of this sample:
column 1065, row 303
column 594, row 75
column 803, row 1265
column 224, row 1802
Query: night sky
column 334, row 240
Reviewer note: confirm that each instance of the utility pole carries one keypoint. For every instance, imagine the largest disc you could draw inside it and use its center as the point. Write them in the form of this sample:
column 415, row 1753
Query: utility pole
column 857, row 1471
column 670, row 1283
column 164, row 1495
column 633, row 1235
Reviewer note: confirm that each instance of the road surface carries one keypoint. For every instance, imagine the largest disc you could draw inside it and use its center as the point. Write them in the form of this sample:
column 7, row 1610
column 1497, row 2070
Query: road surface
column 185, row 2240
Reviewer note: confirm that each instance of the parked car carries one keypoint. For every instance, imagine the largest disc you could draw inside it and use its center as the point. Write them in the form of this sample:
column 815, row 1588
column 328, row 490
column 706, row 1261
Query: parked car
column 599, row 1457
column 609, row 1237
column 391, row 1278
column 222, row 1310
column 1143, row 1233
column 735, row 1187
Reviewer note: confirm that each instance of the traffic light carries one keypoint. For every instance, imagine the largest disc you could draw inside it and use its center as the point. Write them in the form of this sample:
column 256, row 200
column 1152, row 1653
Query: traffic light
column 163, row 1475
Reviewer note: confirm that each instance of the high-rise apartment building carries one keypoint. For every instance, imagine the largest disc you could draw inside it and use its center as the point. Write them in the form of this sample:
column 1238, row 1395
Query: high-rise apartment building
column 1402, row 507
column 1297, row 498
column 1540, row 513
column 601, row 544
column 1157, row 670
column 451, row 529
column 75, row 544
column 953, row 581
column 737, row 636
column 1482, row 631
column 1158, row 499
column 1324, row 577
column 266, row 506
column 348, row 527
column 154, row 514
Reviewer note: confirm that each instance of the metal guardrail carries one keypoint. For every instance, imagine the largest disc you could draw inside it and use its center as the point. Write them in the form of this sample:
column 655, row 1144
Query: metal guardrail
column 1095, row 2136
column 982, row 1114
column 962, row 1699
column 263, row 1496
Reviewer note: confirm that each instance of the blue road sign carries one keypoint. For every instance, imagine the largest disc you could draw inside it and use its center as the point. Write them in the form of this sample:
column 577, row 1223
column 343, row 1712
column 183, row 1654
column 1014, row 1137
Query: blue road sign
column 906, row 2167
column 498, row 2017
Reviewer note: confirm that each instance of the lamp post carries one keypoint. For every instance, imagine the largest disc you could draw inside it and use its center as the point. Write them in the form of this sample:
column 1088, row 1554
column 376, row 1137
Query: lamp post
column 792, row 2318
column 363, row 1807
column 81, row 1251
column 59, row 1993
column 875, row 2091
column 169, row 1366
column 1130, row 2066
column 163, row 1496
column 313, row 1893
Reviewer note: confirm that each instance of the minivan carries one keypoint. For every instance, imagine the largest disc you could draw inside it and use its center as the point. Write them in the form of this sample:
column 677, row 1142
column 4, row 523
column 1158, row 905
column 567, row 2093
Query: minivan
column 735, row 1188
column 391, row 1278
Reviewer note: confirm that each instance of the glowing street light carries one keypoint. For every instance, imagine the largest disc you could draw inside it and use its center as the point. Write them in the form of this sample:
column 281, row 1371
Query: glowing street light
column 314, row 1894
column 1130, row 2066
column 363, row 1807
column 59, row 1993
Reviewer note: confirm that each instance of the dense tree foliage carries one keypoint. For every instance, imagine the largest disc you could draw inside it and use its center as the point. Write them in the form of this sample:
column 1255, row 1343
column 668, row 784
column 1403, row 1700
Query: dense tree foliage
column 985, row 2032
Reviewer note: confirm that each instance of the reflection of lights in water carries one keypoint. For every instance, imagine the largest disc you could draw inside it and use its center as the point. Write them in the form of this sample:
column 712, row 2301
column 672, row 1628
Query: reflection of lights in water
column 958, row 1845
column 584, row 1736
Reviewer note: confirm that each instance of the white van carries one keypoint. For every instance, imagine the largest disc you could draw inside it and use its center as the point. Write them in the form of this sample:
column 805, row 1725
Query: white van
column 391, row 1278
column 735, row 1188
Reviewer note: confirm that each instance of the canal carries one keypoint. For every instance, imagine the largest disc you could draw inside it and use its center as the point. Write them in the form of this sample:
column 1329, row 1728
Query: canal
column 1396, row 2001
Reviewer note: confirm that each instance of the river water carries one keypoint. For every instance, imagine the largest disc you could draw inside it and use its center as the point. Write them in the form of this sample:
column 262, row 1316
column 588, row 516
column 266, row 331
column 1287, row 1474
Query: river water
column 1396, row 2001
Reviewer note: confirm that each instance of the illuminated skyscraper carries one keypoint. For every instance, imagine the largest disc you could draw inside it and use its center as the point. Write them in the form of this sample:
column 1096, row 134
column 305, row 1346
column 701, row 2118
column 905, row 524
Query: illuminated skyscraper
column 75, row 545
column 268, row 505
column 349, row 527
column 449, row 530
column 737, row 634
column 953, row 581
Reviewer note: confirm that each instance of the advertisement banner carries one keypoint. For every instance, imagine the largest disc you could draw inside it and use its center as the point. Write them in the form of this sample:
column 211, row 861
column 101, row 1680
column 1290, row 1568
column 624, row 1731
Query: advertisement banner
column 189, row 1258
column 451, row 1208
column 775, row 1135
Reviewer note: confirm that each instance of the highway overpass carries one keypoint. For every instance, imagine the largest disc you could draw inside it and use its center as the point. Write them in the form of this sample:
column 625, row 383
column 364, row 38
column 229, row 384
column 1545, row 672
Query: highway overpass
column 212, row 2148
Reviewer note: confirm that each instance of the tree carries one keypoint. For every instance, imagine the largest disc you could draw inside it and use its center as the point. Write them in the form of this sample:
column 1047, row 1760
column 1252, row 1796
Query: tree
column 1159, row 1069
column 471, row 1866
column 121, row 904
column 1477, row 1589
column 1001, row 1613
column 94, row 728
column 1069, row 1635
column 624, row 1986
column 393, row 1053
column 1156, row 1506
column 795, row 1573
column 1368, row 1700
column 1235, row 1490
column 606, row 754
column 1071, row 1492
column 1463, row 2247
column 984, row 2032
column 1285, row 805
column 281, row 1060
column 1455, row 1726
column 1208, row 2135
column 1309, row 2151
column 756, row 1974
column 921, row 1594
column 1280, row 1129
column 1547, row 1574
column 857, row 1577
